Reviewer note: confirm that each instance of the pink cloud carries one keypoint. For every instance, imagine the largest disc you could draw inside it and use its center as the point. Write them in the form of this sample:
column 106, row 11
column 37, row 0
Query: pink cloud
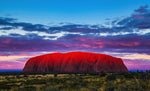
column 11, row 65
column 137, row 65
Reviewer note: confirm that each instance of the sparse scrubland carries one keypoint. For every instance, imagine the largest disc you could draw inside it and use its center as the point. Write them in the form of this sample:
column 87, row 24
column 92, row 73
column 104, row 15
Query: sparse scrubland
column 131, row 81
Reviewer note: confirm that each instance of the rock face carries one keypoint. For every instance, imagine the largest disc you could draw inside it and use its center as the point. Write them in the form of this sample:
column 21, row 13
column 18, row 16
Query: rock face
column 75, row 62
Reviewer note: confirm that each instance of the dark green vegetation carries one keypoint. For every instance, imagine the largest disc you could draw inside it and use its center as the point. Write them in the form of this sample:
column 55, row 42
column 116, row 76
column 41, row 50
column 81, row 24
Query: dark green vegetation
column 132, row 81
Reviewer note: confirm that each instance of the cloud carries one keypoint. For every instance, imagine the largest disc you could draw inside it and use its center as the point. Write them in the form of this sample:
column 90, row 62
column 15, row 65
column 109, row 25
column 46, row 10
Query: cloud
column 11, row 65
column 6, row 58
column 142, row 9
column 137, row 64
column 137, row 56
column 139, row 19
column 19, row 32
column 128, row 35
column 134, row 31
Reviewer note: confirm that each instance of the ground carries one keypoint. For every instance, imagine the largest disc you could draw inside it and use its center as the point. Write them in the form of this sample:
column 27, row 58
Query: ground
column 131, row 81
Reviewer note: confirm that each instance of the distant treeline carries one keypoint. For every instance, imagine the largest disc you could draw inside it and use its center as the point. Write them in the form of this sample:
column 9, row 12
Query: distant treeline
column 44, row 73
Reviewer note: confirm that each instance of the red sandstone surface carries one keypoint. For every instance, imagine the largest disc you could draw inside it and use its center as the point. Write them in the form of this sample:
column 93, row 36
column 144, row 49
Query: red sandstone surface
column 75, row 62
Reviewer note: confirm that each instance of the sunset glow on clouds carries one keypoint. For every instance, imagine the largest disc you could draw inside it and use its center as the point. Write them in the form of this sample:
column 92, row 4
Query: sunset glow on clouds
column 127, row 38
column 137, row 56
column 7, row 58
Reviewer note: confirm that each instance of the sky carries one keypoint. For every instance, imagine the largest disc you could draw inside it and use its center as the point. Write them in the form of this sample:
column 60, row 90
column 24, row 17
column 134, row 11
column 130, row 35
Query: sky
column 120, row 28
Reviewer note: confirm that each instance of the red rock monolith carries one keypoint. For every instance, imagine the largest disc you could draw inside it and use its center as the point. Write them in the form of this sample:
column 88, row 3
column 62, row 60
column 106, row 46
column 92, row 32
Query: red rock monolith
column 75, row 62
